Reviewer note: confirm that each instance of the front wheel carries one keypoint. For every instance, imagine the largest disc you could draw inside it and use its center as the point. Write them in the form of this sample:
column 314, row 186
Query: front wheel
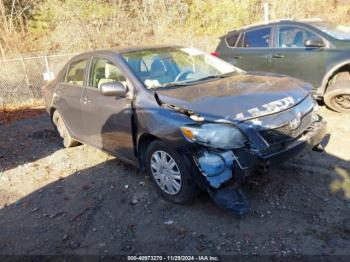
column 169, row 173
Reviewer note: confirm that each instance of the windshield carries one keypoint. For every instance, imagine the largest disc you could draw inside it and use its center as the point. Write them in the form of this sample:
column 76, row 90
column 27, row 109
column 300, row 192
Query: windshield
column 162, row 67
column 341, row 32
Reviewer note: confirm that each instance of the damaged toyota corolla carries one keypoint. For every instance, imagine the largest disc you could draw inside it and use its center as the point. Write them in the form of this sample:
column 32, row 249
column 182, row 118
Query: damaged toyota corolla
column 193, row 121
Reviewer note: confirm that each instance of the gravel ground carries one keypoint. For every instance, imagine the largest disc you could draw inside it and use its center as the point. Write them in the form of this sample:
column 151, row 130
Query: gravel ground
column 83, row 201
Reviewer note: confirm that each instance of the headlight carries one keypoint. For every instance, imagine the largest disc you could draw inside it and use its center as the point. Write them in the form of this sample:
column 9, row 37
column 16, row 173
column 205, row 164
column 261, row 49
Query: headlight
column 215, row 136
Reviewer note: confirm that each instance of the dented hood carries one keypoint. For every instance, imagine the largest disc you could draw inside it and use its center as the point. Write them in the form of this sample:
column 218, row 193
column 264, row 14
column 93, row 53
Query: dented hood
column 239, row 97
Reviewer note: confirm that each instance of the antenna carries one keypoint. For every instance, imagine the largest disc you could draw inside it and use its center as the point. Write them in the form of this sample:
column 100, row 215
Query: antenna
column 266, row 12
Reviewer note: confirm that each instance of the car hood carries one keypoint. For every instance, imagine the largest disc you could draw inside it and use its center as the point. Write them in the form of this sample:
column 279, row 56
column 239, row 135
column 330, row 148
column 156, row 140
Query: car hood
column 237, row 98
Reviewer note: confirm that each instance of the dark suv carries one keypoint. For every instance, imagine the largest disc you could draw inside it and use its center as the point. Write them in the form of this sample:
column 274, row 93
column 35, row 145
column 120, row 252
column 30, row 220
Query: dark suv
column 315, row 51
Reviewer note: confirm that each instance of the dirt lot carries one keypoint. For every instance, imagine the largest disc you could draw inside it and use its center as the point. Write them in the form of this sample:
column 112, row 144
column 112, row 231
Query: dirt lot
column 82, row 201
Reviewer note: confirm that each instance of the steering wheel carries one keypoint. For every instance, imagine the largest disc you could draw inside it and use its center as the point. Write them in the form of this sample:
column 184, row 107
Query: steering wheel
column 183, row 74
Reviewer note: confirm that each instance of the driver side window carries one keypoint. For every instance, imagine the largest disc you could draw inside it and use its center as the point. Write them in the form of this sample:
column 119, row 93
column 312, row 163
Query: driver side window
column 104, row 71
column 294, row 37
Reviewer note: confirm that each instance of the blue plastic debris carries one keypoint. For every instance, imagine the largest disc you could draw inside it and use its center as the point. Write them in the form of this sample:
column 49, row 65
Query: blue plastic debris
column 231, row 199
column 217, row 167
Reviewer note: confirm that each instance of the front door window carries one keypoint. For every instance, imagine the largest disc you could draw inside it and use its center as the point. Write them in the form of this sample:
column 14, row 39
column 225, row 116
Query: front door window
column 294, row 37
column 104, row 71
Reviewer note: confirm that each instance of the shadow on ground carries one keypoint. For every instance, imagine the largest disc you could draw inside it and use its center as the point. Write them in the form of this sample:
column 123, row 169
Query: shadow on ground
column 112, row 208
column 26, row 141
column 9, row 116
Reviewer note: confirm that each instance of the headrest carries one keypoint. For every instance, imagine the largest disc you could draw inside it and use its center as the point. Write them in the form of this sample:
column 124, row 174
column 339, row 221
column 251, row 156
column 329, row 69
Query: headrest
column 299, row 37
column 111, row 71
column 79, row 73
column 157, row 68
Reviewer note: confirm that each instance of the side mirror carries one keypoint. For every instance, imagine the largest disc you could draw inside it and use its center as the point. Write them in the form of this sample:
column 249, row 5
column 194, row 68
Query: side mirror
column 314, row 42
column 113, row 89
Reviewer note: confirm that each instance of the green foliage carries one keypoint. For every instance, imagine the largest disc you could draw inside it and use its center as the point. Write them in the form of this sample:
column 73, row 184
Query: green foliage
column 76, row 25
column 40, row 20
column 217, row 17
column 53, row 13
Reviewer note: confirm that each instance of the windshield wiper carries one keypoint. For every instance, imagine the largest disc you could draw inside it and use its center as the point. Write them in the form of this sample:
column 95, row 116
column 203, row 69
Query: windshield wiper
column 227, row 74
column 208, row 77
column 171, row 84
column 192, row 81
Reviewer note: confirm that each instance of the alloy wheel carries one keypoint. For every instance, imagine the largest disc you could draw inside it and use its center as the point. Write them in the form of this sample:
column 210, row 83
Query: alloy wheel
column 343, row 101
column 165, row 172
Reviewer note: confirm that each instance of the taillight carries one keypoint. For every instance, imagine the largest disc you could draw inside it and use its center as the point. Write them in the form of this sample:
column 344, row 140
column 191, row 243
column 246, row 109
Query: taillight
column 215, row 53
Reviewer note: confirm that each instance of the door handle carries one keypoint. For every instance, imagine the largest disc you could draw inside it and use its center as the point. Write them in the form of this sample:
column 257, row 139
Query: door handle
column 237, row 57
column 86, row 100
column 277, row 56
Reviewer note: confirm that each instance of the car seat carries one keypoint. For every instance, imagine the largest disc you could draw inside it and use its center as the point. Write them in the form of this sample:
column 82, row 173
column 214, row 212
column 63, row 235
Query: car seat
column 112, row 74
column 298, row 39
column 78, row 74
column 158, row 72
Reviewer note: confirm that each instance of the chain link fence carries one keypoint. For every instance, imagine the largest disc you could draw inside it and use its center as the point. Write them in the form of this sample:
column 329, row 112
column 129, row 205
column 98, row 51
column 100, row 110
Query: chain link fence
column 21, row 79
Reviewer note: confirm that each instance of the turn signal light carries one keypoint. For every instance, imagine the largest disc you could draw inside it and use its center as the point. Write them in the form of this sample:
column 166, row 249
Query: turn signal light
column 187, row 133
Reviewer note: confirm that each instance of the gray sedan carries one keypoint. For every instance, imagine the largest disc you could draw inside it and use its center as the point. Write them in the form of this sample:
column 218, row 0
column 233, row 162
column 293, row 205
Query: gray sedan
column 193, row 121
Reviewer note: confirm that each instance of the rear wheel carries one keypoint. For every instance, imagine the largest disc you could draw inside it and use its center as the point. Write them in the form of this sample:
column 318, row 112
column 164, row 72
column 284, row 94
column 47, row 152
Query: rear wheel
column 62, row 130
column 169, row 174
column 337, row 96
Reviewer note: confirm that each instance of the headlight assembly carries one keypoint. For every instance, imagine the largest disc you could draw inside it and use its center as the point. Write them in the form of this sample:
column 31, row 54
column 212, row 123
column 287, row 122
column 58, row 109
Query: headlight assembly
column 215, row 136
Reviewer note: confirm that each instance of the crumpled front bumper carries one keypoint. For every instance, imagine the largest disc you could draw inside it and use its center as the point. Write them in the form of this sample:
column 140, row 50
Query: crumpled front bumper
column 238, row 164
column 314, row 136
column 241, row 163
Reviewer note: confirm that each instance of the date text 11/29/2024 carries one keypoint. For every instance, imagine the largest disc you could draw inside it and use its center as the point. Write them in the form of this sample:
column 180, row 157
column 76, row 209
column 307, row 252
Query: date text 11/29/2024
column 173, row 258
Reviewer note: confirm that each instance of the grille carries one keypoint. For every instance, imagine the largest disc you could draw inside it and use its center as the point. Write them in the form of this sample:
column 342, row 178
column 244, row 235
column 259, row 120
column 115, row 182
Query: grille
column 285, row 133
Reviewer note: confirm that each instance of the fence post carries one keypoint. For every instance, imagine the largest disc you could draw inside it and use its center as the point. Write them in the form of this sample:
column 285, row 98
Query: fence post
column 27, row 78
column 266, row 12
column 47, row 64
column 48, row 75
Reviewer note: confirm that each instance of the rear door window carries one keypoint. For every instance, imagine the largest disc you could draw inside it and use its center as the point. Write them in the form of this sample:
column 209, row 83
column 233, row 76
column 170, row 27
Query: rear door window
column 232, row 39
column 76, row 72
column 257, row 38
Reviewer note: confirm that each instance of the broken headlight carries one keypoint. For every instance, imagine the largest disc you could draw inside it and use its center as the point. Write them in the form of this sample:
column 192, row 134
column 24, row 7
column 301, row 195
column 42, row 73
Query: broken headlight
column 215, row 135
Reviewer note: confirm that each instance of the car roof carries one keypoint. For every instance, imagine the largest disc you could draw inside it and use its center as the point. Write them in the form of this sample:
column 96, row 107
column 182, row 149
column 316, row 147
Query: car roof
column 274, row 22
column 127, row 49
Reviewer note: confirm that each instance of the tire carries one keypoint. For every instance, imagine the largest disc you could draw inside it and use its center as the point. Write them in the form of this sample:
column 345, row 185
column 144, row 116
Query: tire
column 62, row 130
column 337, row 96
column 170, row 174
